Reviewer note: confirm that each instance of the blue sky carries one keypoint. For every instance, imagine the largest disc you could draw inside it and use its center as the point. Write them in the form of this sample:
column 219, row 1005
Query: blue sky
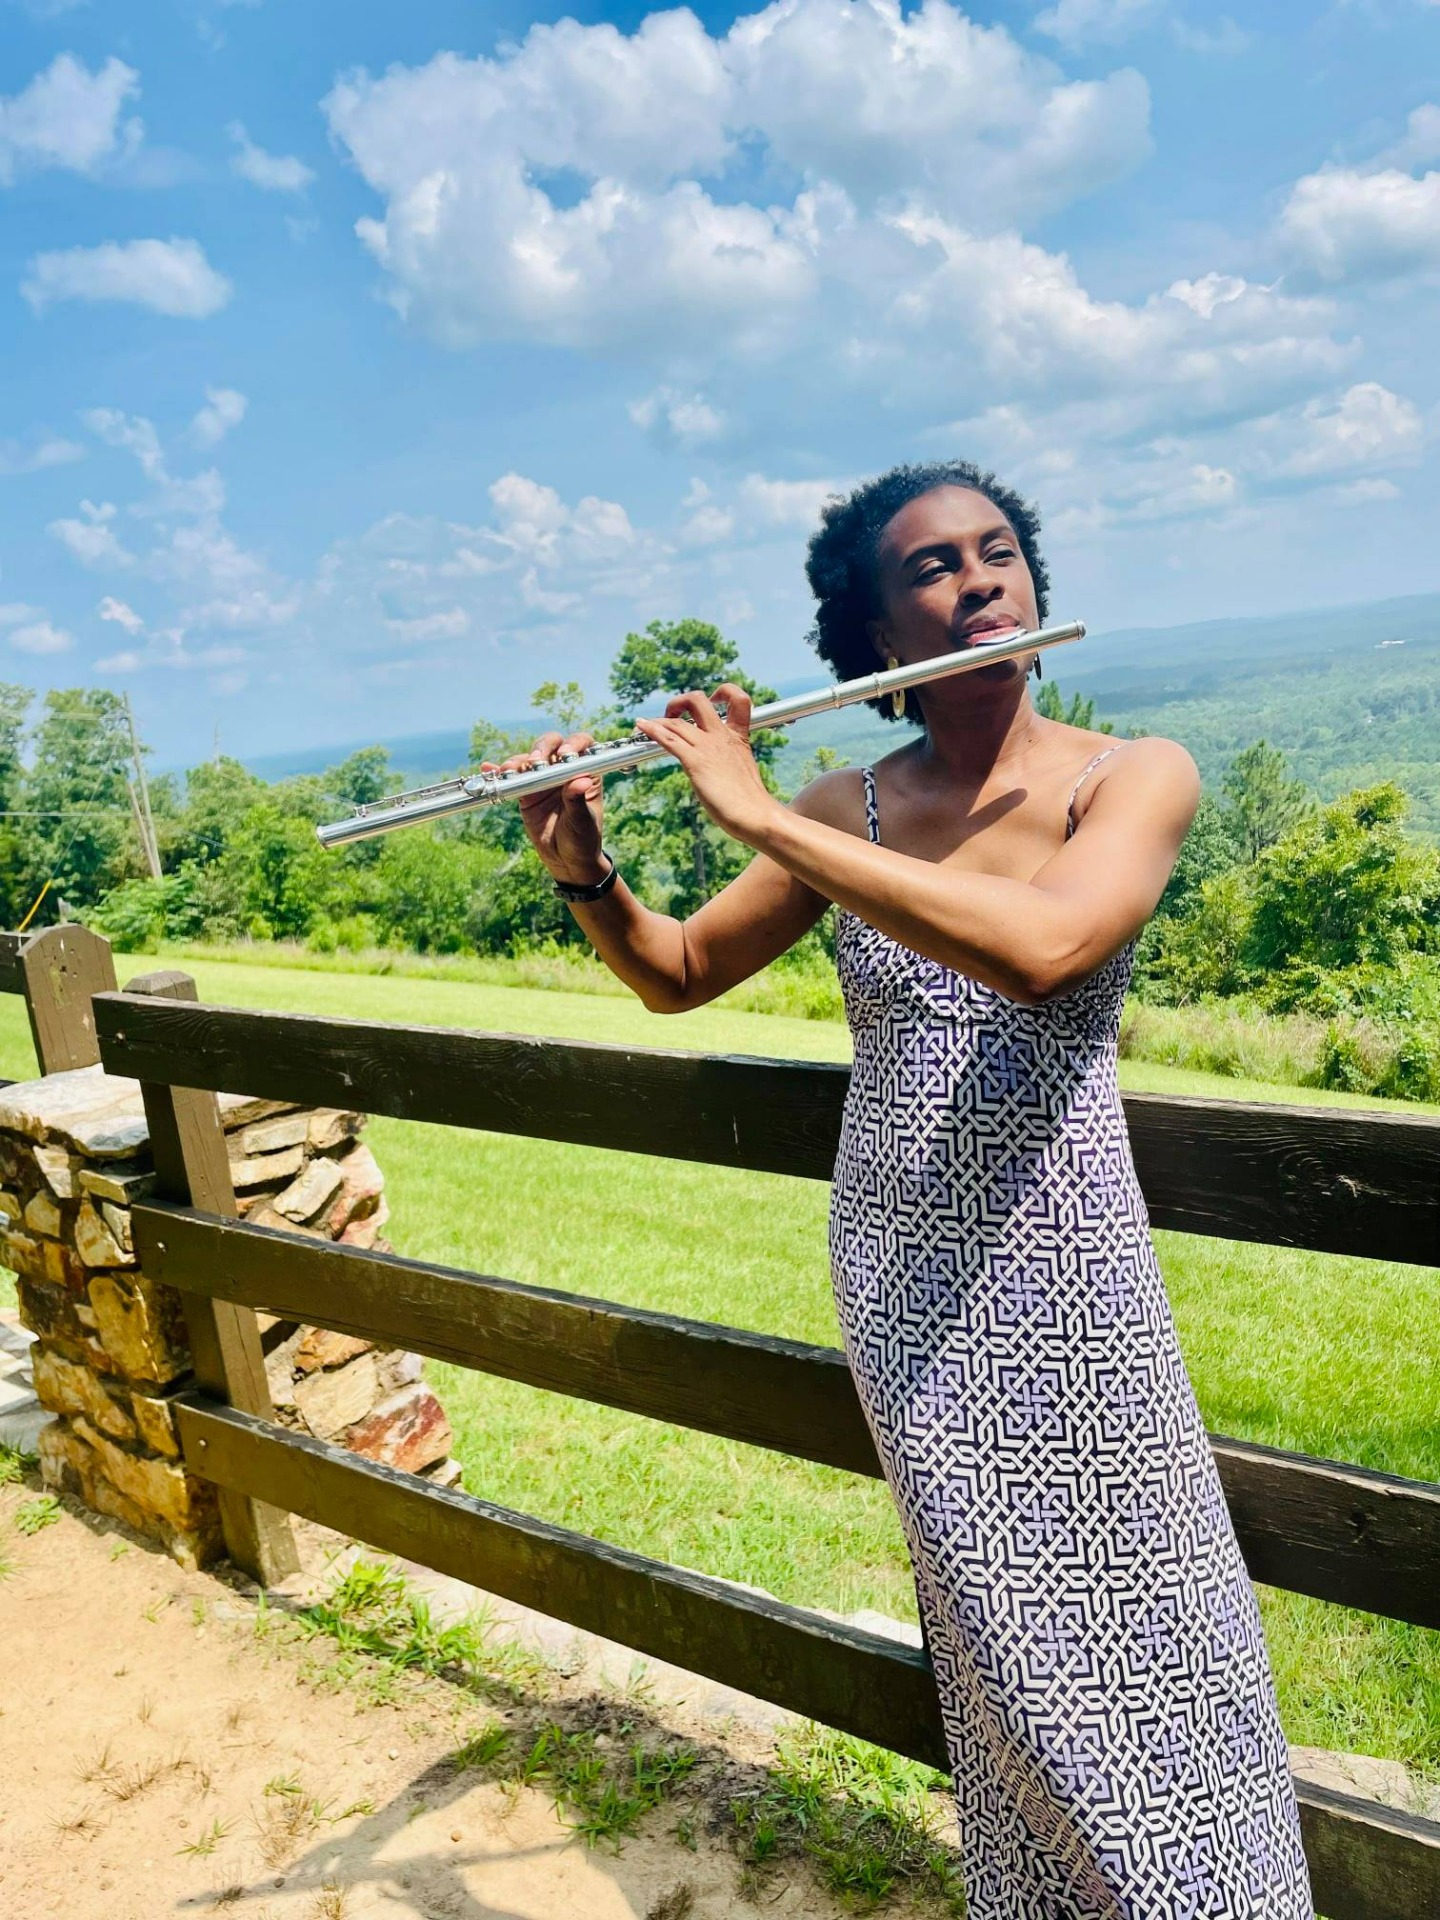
column 363, row 367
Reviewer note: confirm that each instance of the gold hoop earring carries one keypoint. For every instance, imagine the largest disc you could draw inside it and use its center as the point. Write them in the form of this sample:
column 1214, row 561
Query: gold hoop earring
column 897, row 698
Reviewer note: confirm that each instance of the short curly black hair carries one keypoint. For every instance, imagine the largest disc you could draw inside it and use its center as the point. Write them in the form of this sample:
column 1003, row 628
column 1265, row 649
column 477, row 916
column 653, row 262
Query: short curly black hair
column 841, row 561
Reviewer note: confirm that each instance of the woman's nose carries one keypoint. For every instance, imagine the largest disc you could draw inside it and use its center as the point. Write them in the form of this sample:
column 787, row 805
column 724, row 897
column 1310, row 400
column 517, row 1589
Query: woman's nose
column 978, row 584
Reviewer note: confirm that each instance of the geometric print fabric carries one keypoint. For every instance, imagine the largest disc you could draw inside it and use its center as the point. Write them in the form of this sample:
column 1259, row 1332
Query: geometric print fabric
column 1108, row 1703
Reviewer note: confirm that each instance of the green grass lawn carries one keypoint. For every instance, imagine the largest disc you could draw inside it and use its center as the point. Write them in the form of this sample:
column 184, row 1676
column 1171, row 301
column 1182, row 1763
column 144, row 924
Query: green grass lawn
column 1334, row 1357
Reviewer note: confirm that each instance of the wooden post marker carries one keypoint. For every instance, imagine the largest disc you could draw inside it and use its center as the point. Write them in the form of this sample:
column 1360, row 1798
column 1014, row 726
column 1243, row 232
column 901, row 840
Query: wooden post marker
column 193, row 1168
column 58, row 970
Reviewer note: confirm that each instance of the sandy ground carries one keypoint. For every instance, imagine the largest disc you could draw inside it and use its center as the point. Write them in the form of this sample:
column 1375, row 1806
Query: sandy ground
column 161, row 1758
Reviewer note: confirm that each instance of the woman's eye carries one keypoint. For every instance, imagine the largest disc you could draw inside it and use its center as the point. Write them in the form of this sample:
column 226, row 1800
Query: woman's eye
column 1001, row 553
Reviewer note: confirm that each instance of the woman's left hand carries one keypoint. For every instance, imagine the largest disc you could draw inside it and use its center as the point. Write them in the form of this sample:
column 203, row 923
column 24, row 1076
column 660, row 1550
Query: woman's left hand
column 716, row 756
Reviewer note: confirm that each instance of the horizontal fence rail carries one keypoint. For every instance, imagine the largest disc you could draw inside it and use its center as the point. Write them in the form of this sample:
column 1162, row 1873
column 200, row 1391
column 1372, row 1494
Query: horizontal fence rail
column 1338, row 1532
column 1329, row 1179
column 1366, row 1862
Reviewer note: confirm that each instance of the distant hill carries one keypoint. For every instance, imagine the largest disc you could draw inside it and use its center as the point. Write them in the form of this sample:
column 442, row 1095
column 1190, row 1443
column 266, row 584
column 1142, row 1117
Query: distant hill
column 1352, row 694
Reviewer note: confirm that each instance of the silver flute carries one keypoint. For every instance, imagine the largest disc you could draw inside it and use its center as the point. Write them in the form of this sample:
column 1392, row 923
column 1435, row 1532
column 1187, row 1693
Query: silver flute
column 618, row 756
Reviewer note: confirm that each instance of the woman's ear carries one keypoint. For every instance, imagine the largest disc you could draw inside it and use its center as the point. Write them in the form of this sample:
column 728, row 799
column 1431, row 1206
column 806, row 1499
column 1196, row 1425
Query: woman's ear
column 875, row 632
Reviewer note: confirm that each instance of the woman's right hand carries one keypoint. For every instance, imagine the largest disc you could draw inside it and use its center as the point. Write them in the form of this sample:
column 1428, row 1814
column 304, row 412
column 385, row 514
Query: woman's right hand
column 563, row 822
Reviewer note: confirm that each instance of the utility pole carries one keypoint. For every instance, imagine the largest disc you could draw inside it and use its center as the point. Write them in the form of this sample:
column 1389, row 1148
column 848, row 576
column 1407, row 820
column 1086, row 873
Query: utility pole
column 140, row 801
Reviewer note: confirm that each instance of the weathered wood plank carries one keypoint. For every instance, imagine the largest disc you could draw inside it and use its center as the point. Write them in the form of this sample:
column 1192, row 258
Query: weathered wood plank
column 60, row 970
column 1342, row 1533
column 786, row 1395
column 1366, row 1862
column 858, row 1681
column 187, row 1143
column 11, row 978
column 1335, row 1180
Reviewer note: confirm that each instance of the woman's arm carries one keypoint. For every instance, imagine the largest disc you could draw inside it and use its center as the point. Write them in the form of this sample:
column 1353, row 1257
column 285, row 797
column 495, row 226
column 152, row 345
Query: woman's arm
column 1030, row 939
column 670, row 964
column 674, row 965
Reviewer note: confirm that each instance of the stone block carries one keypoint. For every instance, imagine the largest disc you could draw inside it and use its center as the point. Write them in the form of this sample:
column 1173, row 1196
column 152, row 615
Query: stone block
column 360, row 1192
column 140, row 1326
column 319, row 1347
column 155, row 1423
column 82, row 1108
column 308, row 1196
column 398, row 1369
column 10, row 1207
column 42, row 1215
column 280, row 1372
column 21, row 1253
column 57, row 1168
column 55, row 1315
column 409, row 1430
column 265, row 1216
column 240, row 1109
column 117, row 1219
column 123, row 1186
column 62, row 1265
column 64, row 1387
column 95, row 1243
column 330, row 1402
column 330, row 1128
column 157, row 1487
column 268, row 1136
column 263, row 1169
column 365, row 1232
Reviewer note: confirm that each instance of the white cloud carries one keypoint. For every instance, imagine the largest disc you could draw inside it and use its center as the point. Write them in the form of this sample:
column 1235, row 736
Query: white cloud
column 451, row 624
column 677, row 419
column 273, row 172
column 41, row 638
column 1375, row 222
column 133, row 432
column 224, row 408
column 1365, row 492
column 168, row 276
column 786, row 503
column 68, row 117
column 1367, row 426
column 857, row 101
column 92, row 539
column 49, row 451
column 14, row 612
column 123, row 615
column 1078, row 23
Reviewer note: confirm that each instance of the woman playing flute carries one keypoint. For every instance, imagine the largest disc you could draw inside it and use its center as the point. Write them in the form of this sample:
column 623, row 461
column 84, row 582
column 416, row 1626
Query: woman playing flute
column 1107, row 1698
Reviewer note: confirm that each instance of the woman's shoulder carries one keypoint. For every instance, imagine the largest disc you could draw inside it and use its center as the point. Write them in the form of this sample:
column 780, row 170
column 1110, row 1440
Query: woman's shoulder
column 1146, row 761
column 836, row 798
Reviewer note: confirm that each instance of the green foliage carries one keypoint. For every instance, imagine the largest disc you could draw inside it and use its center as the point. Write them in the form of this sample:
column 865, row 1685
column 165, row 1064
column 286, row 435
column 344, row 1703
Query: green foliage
column 1267, row 802
column 659, row 824
column 1077, row 712
column 428, row 890
column 78, row 796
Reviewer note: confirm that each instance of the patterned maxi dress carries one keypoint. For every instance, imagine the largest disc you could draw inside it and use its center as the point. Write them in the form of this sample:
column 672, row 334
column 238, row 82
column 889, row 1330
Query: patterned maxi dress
column 1108, row 1703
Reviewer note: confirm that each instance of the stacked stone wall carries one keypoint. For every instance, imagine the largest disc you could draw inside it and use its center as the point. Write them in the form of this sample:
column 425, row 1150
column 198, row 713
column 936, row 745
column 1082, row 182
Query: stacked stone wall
column 111, row 1354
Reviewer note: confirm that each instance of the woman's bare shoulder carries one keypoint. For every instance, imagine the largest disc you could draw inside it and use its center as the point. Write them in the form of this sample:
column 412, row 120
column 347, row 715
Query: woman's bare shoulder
column 1149, row 761
column 836, row 798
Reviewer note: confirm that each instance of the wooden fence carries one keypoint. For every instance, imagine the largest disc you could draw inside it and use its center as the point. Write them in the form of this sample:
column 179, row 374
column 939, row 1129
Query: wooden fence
column 57, row 970
column 1336, row 1181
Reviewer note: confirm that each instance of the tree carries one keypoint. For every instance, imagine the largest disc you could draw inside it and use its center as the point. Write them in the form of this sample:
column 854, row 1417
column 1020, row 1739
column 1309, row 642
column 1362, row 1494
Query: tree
column 1345, row 889
column 1267, row 802
column 1079, row 713
column 17, row 887
column 78, row 789
column 690, row 857
column 566, row 703
column 365, row 776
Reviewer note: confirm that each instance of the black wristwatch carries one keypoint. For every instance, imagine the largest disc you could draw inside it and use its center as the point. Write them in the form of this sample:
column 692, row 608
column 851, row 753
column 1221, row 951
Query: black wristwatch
column 597, row 890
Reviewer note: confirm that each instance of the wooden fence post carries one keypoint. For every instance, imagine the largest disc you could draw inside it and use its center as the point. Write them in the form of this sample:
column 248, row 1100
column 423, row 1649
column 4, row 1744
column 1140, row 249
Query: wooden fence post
column 58, row 970
column 192, row 1168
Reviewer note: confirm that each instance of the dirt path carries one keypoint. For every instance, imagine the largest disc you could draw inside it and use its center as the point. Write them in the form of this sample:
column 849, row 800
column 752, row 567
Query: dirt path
column 169, row 1748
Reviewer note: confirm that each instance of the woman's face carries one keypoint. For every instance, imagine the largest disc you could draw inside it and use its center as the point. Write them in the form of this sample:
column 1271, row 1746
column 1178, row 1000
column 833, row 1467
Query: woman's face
column 950, row 574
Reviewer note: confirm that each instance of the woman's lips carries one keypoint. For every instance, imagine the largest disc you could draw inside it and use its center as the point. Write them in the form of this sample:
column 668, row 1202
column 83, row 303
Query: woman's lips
column 989, row 629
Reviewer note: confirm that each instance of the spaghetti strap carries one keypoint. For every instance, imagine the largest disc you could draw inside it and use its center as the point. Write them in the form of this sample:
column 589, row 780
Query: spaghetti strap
column 1085, row 772
column 872, row 805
